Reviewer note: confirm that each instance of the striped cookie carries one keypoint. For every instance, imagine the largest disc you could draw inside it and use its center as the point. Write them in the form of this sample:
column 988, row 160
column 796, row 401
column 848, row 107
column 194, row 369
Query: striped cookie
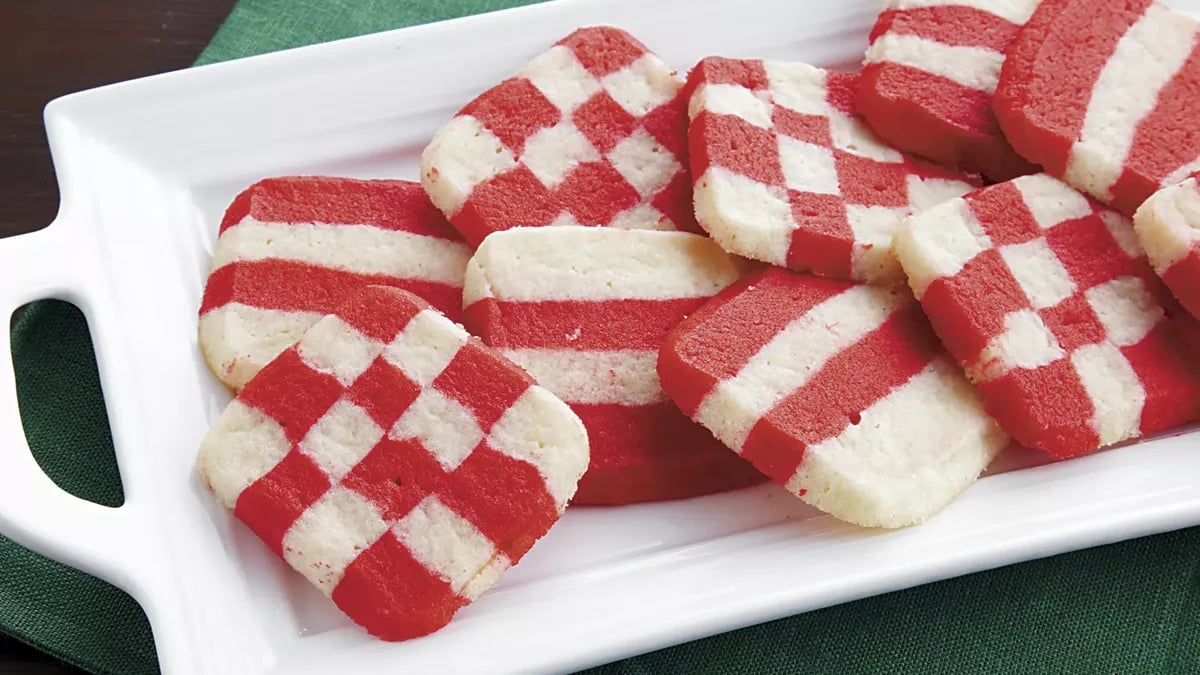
column 1168, row 227
column 1047, row 301
column 786, row 174
column 591, row 132
column 291, row 249
column 930, row 75
column 1102, row 94
column 395, row 462
column 838, row 391
column 584, row 311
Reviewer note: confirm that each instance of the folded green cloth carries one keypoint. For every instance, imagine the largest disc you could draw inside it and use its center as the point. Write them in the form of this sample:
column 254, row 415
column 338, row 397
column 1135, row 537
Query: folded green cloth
column 1127, row 608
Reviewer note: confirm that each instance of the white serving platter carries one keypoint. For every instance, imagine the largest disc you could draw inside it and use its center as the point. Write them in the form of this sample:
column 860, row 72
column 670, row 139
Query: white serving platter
column 146, row 167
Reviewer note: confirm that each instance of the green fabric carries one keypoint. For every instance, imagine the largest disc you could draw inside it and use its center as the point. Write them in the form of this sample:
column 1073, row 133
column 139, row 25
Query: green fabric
column 1127, row 608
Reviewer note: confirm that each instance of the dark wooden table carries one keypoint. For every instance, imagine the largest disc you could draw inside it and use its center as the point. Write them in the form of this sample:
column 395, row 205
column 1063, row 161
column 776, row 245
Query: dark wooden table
column 53, row 47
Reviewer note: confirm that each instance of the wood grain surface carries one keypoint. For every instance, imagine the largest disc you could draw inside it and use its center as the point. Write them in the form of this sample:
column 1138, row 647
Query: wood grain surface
column 49, row 48
column 53, row 47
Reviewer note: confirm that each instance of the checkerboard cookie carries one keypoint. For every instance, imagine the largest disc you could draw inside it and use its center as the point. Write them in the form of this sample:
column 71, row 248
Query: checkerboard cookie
column 397, row 463
column 1046, row 299
column 1102, row 94
column 838, row 391
column 291, row 249
column 584, row 310
column 929, row 78
column 786, row 174
column 591, row 132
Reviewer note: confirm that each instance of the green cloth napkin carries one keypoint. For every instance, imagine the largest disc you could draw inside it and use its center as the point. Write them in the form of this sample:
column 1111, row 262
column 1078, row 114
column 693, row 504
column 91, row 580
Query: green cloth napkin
column 1126, row 608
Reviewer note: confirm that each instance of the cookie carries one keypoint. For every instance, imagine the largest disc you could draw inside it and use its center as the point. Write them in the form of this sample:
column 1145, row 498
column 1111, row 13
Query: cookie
column 1045, row 298
column 591, row 132
column 397, row 463
column 291, row 249
column 929, row 78
column 786, row 174
column 838, row 391
column 584, row 310
column 1166, row 226
column 1103, row 96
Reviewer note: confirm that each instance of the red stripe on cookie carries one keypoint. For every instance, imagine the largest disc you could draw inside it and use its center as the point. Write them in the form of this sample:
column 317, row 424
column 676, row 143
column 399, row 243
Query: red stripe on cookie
column 389, row 204
column 955, row 25
column 777, row 298
column 832, row 400
column 578, row 324
column 300, row 287
column 655, row 452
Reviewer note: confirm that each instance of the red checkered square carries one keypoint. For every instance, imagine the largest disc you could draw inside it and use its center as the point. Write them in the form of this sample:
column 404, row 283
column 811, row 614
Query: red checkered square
column 580, row 120
column 1042, row 296
column 402, row 486
column 773, row 142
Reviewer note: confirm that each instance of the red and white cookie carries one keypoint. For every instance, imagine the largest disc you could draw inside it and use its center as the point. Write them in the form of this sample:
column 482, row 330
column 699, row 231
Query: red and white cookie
column 397, row 463
column 584, row 310
column 1168, row 226
column 838, row 391
column 291, row 249
column 591, row 132
column 786, row 174
column 1102, row 94
column 1045, row 298
column 930, row 75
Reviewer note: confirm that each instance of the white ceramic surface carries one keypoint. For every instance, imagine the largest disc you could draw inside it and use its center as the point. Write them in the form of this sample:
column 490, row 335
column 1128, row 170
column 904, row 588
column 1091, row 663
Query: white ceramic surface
column 146, row 168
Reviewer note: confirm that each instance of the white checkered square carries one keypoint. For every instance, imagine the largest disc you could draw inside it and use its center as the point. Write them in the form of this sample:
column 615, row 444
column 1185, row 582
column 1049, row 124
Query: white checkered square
column 341, row 438
column 641, row 217
column 1039, row 272
column 808, row 167
column 852, row 136
column 1025, row 343
column 330, row 534
column 249, row 444
column 1126, row 309
column 731, row 99
column 1049, row 202
column 425, row 347
column 468, row 154
column 644, row 162
column 1115, row 391
column 552, row 152
column 442, row 425
column 641, row 86
column 561, row 78
column 335, row 347
column 446, row 543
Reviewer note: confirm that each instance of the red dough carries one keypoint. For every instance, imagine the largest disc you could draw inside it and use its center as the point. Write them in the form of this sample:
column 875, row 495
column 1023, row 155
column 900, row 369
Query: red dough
column 1103, row 96
column 929, row 79
column 398, row 464
column 1048, row 302
column 591, row 132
